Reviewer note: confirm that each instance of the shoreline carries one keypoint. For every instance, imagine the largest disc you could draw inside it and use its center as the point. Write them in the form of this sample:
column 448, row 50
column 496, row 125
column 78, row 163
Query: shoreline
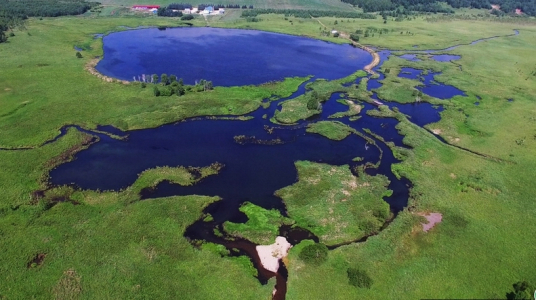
column 90, row 67
column 375, row 57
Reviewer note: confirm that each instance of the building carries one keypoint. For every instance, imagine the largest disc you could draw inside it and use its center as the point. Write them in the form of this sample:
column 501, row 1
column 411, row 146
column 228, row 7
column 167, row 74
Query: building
column 208, row 10
column 222, row 11
column 145, row 7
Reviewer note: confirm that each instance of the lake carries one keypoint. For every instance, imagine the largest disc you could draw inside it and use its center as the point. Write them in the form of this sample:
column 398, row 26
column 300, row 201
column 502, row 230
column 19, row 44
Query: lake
column 227, row 57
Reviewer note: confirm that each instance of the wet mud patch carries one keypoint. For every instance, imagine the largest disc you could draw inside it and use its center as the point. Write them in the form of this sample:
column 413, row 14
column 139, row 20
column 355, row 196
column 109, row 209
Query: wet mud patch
column 36, row 261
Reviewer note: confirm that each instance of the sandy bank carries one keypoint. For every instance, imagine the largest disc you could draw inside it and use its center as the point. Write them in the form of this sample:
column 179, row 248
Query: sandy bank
column 271, row 254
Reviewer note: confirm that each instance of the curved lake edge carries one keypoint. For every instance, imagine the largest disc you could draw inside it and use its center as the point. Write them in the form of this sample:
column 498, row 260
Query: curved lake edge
column 92, row 65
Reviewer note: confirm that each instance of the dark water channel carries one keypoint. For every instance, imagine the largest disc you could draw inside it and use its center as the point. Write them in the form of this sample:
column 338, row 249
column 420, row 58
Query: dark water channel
column 431, row 87
column 252, row 172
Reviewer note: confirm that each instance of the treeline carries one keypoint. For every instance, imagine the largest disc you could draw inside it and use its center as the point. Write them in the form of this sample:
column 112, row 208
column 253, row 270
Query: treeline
column 9, row 22
column 508, row 6
column 170, row 85
column 167, row 12
column 307, row 13
column 390, row 5
column 218, row 6
column 434, row 6
column 45, row 8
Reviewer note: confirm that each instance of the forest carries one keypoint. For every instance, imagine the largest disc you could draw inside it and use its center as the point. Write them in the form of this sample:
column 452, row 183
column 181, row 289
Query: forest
column 14, row 12
column 308, row 13
column 9, row 22
column 507, row 6
column 45, row 8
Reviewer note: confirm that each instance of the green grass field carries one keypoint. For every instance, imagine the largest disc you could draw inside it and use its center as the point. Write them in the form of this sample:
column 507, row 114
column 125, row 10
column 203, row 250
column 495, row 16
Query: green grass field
column 100, row 245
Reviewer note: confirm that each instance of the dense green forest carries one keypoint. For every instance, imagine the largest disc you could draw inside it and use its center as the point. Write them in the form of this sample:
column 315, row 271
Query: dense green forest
column 14, row 12
column 308, row 13
column 9, row 22
column 507, row 6
column 45, row 8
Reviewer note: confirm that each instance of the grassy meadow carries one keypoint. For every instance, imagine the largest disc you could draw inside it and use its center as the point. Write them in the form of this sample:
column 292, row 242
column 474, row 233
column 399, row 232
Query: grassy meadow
column 72, row 244
column 334, row 204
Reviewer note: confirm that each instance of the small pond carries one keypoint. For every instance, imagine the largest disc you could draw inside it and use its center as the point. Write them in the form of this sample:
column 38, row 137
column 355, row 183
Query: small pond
column 431, row 87
column 445, row 57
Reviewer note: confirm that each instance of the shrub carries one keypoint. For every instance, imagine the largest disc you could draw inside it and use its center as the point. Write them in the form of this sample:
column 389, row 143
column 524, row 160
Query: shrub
column 78, row 54
column 187, row 17
column 166, row 91
column 314, row 254
column 156, row 91
column 313, row 104
column 359, row 278
column 180, row 90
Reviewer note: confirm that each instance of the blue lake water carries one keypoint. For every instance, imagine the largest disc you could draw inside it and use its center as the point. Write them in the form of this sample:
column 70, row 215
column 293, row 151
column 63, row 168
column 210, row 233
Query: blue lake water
column 411, row 57
column 445, row 57
column 431, row 87
column 227, row 57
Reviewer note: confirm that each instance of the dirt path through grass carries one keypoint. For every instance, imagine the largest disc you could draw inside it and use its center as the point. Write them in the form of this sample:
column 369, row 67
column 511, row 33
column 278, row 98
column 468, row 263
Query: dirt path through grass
column 375, row 57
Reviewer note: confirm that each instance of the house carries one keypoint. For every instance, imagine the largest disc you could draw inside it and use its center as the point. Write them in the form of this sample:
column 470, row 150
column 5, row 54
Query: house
column 334, row 31
column 222, row 11
column 145, row 7
column 208, row 10
column 187, row 11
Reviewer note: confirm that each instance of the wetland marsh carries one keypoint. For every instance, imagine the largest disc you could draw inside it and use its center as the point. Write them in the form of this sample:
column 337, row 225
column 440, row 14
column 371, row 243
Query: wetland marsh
column 156, row 199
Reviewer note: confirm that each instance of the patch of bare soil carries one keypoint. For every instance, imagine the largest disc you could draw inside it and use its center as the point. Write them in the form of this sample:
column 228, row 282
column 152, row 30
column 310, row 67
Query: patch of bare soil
column 36, row 261
column 69, row 286
column 432, row 218
column 90, row 67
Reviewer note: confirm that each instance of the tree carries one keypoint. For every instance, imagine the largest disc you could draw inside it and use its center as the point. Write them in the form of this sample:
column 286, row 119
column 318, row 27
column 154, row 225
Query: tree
column 154, row 78
column 164, row 79
column 313, row 103
column 156, row 91
column 208, row 85
column 354, row 37
column 172, row 78
column 314, row 254
column 78, row 55
column 187, row 17
column 181, row 82
column 359, row 278
column 522, row 290
column 180, row 90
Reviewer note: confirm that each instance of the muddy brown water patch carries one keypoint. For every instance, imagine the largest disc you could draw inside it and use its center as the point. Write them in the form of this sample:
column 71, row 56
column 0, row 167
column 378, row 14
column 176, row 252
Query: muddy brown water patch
column 36, row 261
